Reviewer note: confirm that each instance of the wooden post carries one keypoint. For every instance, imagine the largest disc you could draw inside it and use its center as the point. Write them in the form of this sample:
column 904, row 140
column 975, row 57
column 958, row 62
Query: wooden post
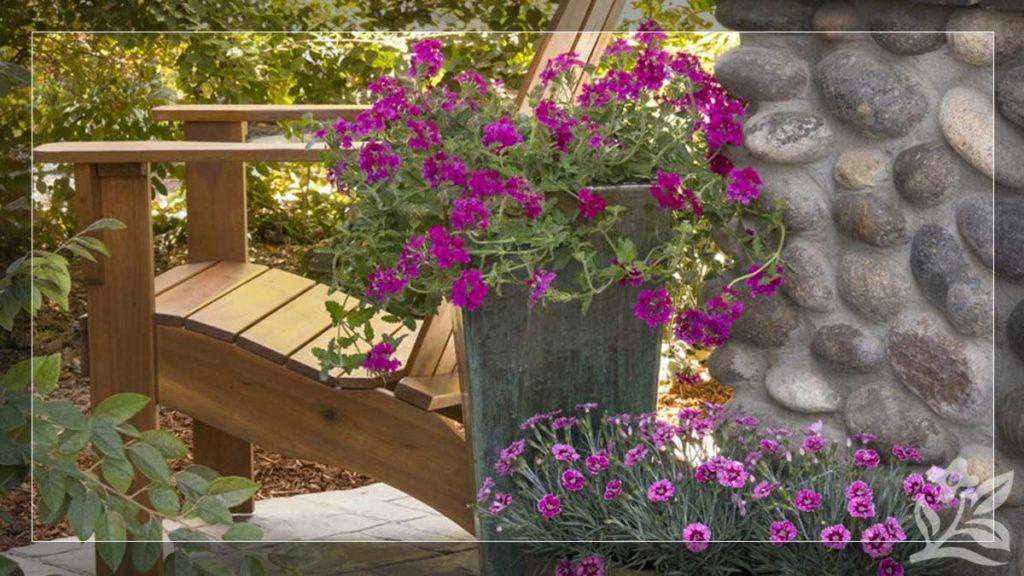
column 218, row 230
column 121, row 333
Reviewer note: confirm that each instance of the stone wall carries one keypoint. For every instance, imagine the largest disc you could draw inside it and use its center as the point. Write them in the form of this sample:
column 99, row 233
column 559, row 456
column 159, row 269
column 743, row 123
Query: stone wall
column 885, row 150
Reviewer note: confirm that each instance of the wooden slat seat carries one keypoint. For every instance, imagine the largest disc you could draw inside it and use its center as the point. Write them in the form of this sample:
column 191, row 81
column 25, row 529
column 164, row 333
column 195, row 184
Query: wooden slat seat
column 275, row 315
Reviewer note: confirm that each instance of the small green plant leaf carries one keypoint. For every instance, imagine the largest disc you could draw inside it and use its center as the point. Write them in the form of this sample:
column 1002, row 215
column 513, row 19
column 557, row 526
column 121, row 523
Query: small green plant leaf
column 168, row 444
column 251, row 566
column 120, row 407
column 232, row 490
column 149, row 462
column 107, row 439
column 118, row 473
column 83, row 513
column 213, row 511
column 164, row 499
column 111, row 536
column 179, row 564
column 147, row 547
column 46, row 373
column 243, row 533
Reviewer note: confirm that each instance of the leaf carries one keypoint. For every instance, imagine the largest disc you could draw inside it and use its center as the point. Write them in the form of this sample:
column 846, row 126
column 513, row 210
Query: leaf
column 992, row 493
column 9, row 567
column 242, row 532
column 83, row 513
column 104, row 224
column 147, row 546
column 111, row 535
column 209, row 566
column 120, row 407
column 74, row 441
column 164, row 499
column 149, row 461
column 168, row 444
column 192, row 485
column 46, row 372
column 213, row 511
column 251, row 566
column 232, row 490
column 118, row 473
column 63, row 414
column 107, row 439
column 52, row 489
column 178, row 564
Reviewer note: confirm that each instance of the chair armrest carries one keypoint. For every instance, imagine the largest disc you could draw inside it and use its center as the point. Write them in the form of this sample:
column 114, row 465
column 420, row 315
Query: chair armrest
column 137, row 151
column 254, row 112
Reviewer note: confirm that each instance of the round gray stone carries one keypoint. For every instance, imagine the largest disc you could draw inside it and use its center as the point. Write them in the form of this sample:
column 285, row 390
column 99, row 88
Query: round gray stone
column 761, row 74
column 848, row 348
column 1015, row 330
column 873, row 96
column 833, row 18
column 1009, row 238
column 787, row 137
column 1010, row 92
column 923, row 174
column 966, row 116
column 802, row 390
column 974, row 222
column 859, row 168
column 909, row 28
column 1010, row 423
column 760, row 15
column 969, row 307
column 872, row 217
column 896, row 417
column 871, row 286
column 807, row 278
column 937, row 262
column 798, row 197
column 933, row 364
column 766, row 321
column 735, row 363
column 975, row 47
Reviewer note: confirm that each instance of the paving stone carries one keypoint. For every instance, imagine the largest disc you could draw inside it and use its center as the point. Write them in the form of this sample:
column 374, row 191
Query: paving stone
column 873, row 287
column 923, row 174
column 761, row 74
column 788, row 137
column 872, row 217
column 907, row 29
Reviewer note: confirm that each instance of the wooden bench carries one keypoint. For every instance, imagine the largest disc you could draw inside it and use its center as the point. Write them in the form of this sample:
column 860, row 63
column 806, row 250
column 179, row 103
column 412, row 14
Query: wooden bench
column 230, row 342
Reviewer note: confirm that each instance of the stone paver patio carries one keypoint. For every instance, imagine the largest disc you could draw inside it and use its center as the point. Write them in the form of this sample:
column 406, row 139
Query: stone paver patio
column 385, row 532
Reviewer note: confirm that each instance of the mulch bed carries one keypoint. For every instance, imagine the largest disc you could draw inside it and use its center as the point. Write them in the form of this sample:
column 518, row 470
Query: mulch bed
column 58, row 330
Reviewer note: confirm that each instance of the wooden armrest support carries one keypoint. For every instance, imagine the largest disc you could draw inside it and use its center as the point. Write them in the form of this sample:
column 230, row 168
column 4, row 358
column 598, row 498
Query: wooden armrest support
column 254, row 112
column 137, row 151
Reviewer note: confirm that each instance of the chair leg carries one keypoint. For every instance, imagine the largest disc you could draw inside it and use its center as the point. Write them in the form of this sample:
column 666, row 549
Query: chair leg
column 227, row 454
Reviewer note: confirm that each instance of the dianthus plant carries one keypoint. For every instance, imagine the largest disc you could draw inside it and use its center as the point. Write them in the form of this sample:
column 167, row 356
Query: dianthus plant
column 456, row 193
column 710, row 493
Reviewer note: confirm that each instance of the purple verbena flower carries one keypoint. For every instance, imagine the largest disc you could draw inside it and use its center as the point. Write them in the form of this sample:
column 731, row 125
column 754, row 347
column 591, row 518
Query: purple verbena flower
column 485, row 184
column 670, row 194
column 538, row 284
column 744, row 185
column 719, row 163
column 590, row 203
column 559, row 64
column 519, row 190
column 470, row 213
column 500, row 135
column 425, row 134
column 377, row 161
column 379, row 359
column 385, row 282
column 559, row 123
column 443, row 167
column 469, row 290
column 757, row 283
column 426, row 59
column 654, row 307
column 446, row 249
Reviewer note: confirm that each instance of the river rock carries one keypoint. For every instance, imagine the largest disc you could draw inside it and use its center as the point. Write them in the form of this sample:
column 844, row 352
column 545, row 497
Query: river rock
column 848, row 348
column 937, row 262
column 974, row 222
column 802, row 390
column 1009, row 238
column 835, row 17
column 896, row 417
column 1010, row 423
column 909, row 28
column 969, row 307
column 761, row 74
column 735, row 363
column 924, row 173
column 934, row 365
column 766, row 321
column 787, row 137
column 799, row 198
column 859, row 168
column 1015, row 330
column 1010, row 92
column 981, row 462
column 765, row 14
column 976, row 47
column 873, row 217
column 875, row 288
column 966, row 116
column 807, row 278
column 873, row 96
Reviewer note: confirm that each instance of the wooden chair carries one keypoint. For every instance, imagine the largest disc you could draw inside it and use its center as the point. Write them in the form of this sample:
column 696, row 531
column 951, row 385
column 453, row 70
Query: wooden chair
column 230, row 342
